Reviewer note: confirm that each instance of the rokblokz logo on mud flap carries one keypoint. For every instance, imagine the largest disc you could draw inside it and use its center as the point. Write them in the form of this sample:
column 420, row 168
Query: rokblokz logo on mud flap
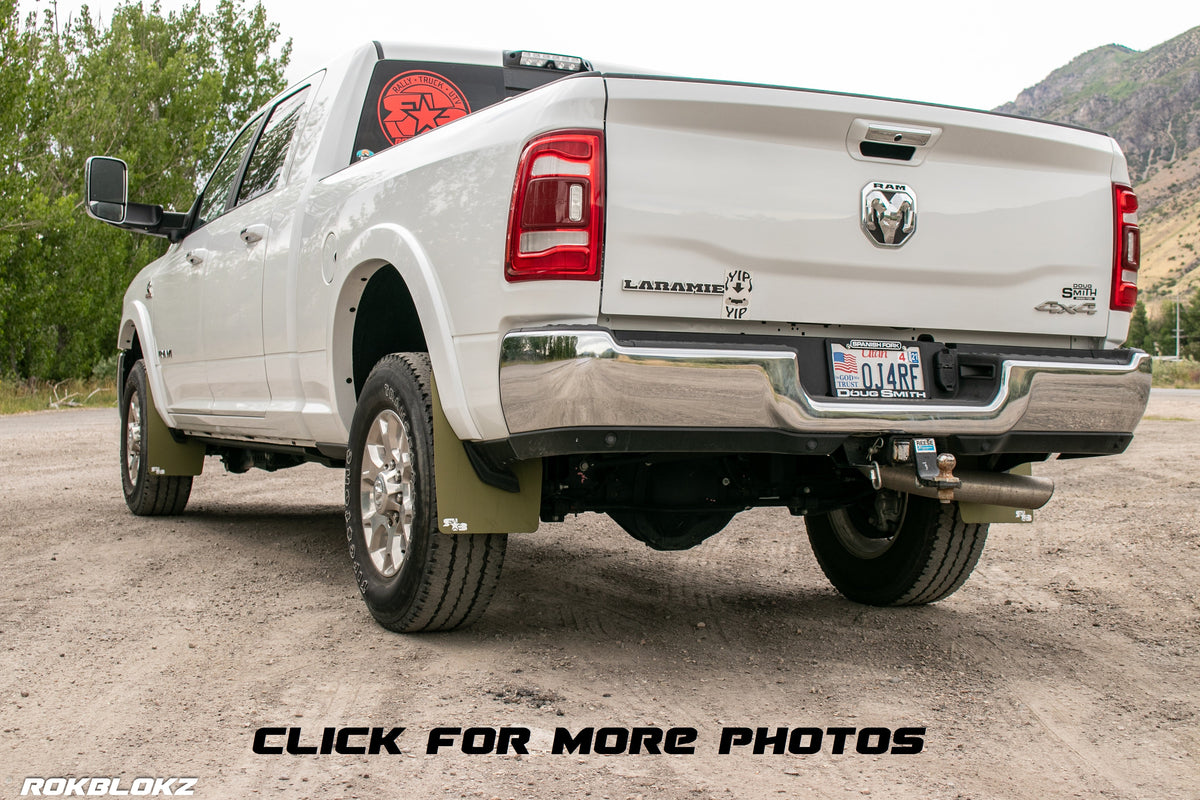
column 108, row 787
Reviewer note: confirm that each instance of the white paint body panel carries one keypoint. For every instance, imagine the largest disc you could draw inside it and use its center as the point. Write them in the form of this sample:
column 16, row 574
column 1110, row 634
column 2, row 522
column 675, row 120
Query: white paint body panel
column 701, row 177
column 708, row 178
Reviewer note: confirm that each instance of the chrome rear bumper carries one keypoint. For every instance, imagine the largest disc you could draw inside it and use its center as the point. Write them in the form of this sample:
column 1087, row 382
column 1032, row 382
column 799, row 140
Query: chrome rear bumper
column 583, row 378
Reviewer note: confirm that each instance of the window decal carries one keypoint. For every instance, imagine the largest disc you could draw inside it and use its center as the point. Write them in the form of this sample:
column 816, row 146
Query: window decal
column 417, row 101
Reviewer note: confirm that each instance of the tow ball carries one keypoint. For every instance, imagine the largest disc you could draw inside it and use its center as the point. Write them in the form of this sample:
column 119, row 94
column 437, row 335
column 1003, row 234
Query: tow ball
column 919, row 469
column 936, row 470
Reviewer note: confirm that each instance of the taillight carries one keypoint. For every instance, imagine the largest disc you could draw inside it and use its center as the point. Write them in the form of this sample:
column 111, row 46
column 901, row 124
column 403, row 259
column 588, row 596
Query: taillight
column 556, row 223
column 1127, row 248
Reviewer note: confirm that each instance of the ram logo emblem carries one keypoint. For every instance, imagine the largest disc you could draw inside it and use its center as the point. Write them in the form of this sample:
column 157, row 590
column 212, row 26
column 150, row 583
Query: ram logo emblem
column 889, row 213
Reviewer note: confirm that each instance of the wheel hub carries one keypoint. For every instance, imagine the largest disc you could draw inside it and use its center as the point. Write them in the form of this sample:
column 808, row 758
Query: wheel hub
column 386, row 492
column 381, row 493
column 869, row 530
column 133, row 439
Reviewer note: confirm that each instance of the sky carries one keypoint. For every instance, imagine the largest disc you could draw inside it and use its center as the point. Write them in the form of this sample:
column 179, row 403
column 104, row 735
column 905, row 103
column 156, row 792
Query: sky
column 964, row 53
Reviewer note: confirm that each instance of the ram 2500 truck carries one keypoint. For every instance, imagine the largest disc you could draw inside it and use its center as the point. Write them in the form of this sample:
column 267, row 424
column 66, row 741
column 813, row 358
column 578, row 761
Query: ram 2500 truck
column 500, row 288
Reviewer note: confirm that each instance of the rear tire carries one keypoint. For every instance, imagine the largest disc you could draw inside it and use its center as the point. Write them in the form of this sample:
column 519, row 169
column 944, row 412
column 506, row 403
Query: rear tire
column 412, row 576
column 929, row 555
column 147, row 495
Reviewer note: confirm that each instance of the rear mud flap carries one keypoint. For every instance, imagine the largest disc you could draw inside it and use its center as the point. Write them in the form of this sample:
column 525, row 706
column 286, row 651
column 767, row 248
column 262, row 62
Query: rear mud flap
column 466, row 504
column 974, row 513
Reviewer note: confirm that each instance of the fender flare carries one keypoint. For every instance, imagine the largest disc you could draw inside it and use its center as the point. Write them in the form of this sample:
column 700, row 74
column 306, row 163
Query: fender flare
column 136, row 321
column 395, row 246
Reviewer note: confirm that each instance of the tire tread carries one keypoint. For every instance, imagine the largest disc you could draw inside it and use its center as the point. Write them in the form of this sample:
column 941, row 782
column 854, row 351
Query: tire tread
column 960, row 545
column 951, row 551
column 462, row 571
column 157, row 495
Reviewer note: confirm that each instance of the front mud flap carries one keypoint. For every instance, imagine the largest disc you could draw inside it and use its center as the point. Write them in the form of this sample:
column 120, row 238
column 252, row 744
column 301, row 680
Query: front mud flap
column 164, row 455
column 466, row 504
column 974, row 513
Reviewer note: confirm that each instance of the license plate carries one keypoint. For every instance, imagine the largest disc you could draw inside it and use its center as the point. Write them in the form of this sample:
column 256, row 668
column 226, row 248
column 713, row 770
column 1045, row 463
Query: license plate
column 877, row 369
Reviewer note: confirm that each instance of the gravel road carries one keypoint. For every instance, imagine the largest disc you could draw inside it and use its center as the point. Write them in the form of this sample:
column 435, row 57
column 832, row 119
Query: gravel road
column 1066, row 667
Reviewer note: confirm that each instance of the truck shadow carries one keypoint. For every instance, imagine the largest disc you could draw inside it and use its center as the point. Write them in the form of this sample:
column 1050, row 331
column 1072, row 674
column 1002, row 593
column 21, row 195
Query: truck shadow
column 613, row 601
column 592, row 592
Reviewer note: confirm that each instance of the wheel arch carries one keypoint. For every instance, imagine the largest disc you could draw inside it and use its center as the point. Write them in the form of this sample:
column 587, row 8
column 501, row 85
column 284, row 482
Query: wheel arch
column 136, row 340
column 131, row 351
column 392, row 275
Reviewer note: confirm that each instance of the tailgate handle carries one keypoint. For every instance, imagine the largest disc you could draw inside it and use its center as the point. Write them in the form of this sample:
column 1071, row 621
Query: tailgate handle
column 899, row 134
column 895, row 142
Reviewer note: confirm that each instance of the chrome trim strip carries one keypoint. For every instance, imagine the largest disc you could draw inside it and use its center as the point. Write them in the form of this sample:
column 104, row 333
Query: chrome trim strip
column 898, row 134
column 581, row 377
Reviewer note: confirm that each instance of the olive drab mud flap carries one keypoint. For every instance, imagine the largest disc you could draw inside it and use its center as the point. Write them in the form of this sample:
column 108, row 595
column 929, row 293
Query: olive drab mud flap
column 164, row 455
column 466, row 504
column 974, row 513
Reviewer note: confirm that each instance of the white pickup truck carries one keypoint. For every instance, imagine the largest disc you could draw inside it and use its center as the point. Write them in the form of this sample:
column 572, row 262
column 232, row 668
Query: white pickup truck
column 501, row 288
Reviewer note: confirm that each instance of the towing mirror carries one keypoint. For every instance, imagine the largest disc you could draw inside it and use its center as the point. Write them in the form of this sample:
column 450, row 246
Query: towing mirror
column 106, row 181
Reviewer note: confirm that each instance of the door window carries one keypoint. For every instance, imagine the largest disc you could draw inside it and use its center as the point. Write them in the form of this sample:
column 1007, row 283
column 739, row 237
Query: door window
column 216, row 194
column 266, row 164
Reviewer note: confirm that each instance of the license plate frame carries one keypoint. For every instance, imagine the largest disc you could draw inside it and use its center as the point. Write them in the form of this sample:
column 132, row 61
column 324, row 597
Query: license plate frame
column 877, row 370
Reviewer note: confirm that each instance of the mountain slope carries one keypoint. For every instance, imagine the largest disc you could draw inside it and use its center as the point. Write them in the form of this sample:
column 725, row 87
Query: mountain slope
column 1150, row 102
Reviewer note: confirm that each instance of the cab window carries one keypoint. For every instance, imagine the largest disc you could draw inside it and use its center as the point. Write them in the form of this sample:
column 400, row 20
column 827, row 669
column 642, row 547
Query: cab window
column 216, row 194
column 408, row 98
column 265, row 169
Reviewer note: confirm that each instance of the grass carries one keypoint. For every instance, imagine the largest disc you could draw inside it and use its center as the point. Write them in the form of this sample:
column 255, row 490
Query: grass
column 39, row 395
column 1183, row 374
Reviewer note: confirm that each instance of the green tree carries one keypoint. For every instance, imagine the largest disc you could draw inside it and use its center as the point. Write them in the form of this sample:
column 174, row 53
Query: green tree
column 1139, row 327
column 20, row 287
column 1162, row 330
column 1189, row 323
column 162, row 92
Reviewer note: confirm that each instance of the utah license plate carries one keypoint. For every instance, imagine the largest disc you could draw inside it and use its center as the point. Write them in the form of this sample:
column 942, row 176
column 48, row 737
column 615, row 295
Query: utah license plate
column 877, row 369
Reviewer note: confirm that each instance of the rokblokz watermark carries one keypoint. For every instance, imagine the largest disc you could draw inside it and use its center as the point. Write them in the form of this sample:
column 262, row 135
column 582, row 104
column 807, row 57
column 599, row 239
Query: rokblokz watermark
column 108, row 787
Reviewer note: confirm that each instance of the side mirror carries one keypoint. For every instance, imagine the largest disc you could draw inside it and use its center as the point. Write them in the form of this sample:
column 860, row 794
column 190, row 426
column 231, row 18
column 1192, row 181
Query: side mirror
column 107, row 188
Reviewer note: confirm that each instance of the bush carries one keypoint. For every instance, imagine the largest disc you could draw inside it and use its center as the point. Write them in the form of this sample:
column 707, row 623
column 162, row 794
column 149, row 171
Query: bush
column 105, row 370
column 1183, row 374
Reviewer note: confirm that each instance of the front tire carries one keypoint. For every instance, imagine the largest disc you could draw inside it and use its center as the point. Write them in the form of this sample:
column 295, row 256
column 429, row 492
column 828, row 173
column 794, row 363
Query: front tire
column 412, row 576
column 921, row 556
column 146, row 494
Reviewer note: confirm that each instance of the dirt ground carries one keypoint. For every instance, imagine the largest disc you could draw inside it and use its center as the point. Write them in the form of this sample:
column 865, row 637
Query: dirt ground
column 1068, row 666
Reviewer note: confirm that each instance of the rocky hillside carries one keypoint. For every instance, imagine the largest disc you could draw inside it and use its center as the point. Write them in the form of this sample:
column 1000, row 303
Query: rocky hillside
column 1150, row 102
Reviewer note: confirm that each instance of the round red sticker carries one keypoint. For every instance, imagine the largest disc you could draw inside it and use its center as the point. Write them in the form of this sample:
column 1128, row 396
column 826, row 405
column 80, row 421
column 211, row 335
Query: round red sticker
column 417, row 101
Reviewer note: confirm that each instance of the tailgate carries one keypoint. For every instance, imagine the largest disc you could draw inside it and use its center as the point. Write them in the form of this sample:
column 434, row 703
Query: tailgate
column 747, row 202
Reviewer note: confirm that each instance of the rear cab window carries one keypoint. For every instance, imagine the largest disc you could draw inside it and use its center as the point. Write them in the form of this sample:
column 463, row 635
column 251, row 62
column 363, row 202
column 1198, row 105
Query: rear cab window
column 407, row 98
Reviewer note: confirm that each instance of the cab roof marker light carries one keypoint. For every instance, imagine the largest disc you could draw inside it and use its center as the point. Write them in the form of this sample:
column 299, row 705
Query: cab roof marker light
column 568, row 63
column 531, row 58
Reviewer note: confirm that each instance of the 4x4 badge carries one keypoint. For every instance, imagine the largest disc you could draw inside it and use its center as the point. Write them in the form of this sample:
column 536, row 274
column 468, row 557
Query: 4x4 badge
column 1055, row 307
column 889, row 213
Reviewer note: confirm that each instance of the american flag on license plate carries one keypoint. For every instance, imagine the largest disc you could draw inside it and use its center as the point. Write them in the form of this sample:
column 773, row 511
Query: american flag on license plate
column 845, row 362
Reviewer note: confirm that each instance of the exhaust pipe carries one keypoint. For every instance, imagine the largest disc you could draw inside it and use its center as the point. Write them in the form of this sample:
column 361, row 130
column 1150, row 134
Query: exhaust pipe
column 987, row 488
